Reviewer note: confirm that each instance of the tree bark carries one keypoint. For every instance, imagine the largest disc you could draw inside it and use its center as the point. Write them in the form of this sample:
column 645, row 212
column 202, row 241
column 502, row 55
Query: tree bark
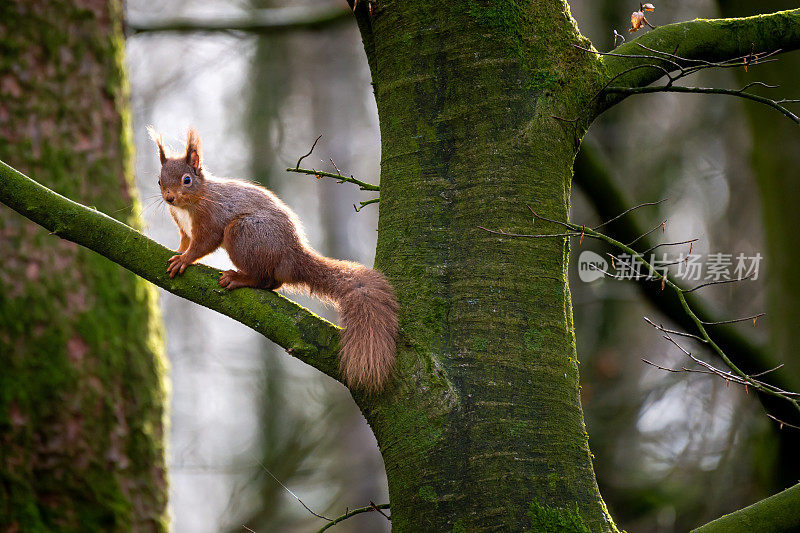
column 82, row 397
column 484, row 430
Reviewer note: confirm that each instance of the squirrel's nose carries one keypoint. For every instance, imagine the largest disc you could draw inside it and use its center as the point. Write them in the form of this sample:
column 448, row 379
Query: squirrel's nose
column 169, row 198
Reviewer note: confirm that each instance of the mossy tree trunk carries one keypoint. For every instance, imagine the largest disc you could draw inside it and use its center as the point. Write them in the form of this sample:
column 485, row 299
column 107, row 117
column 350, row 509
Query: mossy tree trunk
column 485, row 429
column 81, row 363
column 482, row 109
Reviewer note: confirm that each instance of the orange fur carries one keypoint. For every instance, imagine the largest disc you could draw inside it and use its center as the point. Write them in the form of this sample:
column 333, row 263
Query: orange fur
column 266, row 243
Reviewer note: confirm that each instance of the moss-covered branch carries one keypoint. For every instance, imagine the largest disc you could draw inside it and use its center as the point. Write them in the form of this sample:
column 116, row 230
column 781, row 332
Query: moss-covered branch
column 704, row 40
column 780, row 512
column 306, row 336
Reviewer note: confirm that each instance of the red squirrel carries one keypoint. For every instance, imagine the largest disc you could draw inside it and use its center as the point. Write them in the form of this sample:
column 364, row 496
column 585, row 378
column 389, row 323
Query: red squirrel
column 266, row 243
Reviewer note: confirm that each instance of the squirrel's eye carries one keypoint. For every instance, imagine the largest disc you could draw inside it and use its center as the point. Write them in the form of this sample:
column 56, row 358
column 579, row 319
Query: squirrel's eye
column 159, row 183
column 187, row 180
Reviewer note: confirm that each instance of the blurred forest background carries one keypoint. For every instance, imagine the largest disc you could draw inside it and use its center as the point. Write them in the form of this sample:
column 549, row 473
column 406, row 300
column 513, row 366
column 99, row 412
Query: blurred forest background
column 671, row 450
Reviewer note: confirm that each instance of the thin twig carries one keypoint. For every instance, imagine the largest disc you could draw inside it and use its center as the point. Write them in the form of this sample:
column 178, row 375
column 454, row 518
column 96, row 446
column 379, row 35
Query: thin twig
column 290, row 492
column 717, row 282
column 767, row 371
column 735, row 320
column 661, row 367
column 687, row 66
column 370, row 508
column 364, row 186
column 297, row 166
column 661, row 225
column 362, row 205
column 534, row 236
column 675, row 332
column 339, row 172
column 634, row 208
column 675, row 243
column 782, row 423
column 706, row 90
column 372, row 503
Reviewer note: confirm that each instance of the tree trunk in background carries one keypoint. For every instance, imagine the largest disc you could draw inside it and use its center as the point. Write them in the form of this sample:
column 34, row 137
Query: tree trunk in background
column 82, row 396
column 484, row 430
column 775, row 160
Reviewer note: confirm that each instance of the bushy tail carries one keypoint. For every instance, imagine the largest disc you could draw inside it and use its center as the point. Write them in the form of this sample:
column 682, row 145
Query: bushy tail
column 368, row 311
column 369, row 314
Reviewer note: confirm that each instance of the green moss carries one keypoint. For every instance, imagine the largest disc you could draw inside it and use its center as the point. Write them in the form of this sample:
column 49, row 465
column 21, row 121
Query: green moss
column 546, row 519
column 480, row 344
column 502, row 15
column 518, row 429
column 459, row 527
column 427, row 493
column 553, row 481
column 532, row 339
column 541, row 80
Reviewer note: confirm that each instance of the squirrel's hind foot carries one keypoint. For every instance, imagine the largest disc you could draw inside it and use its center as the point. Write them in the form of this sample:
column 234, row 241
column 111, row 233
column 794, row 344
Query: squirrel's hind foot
column 233, row 279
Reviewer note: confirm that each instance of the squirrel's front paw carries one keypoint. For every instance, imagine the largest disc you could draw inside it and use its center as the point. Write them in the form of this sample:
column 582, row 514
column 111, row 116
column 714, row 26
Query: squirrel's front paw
column 177, row 264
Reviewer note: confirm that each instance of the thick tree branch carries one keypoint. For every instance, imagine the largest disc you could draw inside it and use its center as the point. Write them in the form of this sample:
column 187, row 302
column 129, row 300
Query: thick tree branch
column 306, row 336
column 702, row 40
column 780, row 512
column 261, row 22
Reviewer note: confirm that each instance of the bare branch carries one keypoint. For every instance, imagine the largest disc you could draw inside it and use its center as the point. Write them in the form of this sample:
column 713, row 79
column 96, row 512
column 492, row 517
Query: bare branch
column 364, row 186
column 634, row 208
column 288, row 490
column 370, row 508
column 675, row 332
column 718, row 282
column 674, row 243
column 261, row 22
column 710, row 90
column 782, row 423
column 661, row 225
column 297, row 166
column 533, row 236
column 735, row 320
column 362, row 205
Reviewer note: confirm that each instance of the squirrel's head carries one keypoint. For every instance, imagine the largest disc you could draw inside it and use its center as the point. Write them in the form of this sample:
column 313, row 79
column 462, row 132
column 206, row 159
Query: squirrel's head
column 181, row 178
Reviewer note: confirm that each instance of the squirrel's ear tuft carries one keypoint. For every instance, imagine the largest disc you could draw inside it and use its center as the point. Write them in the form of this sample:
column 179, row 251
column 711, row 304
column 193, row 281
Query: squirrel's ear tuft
column 193, row 149
column 156, row 138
